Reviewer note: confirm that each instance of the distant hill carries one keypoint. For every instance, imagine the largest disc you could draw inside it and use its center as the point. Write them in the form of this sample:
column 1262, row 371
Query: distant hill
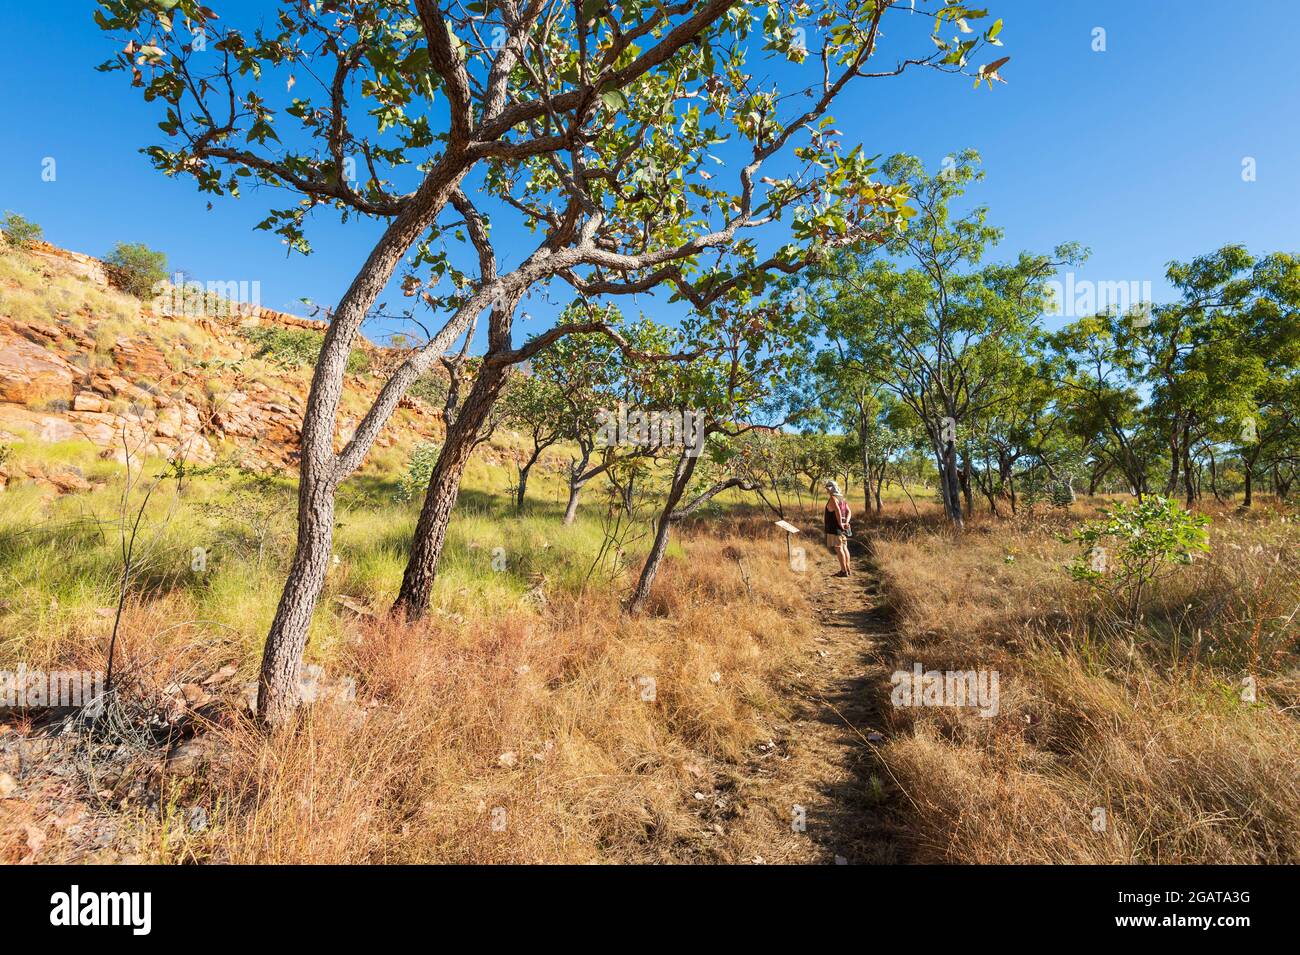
column 81, row 360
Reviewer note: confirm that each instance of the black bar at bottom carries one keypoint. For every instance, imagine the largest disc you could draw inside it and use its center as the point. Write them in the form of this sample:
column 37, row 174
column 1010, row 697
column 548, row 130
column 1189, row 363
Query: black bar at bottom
column 191, row 904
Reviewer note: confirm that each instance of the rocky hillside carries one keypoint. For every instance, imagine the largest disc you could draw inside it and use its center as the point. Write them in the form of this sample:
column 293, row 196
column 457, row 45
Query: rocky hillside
column 80, row 361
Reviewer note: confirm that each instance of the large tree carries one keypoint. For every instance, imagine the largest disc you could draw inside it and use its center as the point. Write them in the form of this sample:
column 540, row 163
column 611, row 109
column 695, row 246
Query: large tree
column 593, row 122
column 1097, row 374
column 930, row 322
column 1206, row 356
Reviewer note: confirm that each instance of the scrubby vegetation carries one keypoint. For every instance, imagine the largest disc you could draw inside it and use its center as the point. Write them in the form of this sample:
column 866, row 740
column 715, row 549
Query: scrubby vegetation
column 1169, row 738
column 521, row 694
column 137, row 269
column 19, row 231
column 297, row 348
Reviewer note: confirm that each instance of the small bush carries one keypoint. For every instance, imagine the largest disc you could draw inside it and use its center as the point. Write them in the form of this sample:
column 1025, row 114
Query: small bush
column 20, row 232
column 288, row 347
column 431, row 387
column 1134, row 544
column 358, row 362
column 423, row 457
column 296, row 347
column 136, row 269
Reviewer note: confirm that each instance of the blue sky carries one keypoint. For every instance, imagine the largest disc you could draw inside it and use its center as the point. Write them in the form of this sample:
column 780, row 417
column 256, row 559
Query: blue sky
column 1136, row 152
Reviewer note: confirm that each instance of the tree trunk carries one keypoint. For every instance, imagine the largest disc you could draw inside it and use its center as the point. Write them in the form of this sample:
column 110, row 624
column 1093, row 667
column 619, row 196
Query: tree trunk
column 522, row 488
column 321, row 470
column 1214, row 476
column 571, row 511
column 444, row 487
column 964, row 477
column 866, row 464
column 1174, row 459
column 950, row 484
column 628, row 491
column 278, row 683
column 576, row 470
column 682, row 477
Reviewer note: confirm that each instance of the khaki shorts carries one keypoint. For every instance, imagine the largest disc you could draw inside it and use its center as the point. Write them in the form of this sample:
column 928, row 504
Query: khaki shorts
column 833, row 541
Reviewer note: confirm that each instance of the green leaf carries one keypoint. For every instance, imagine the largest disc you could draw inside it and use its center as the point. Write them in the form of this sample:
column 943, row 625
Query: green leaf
column 614, row 99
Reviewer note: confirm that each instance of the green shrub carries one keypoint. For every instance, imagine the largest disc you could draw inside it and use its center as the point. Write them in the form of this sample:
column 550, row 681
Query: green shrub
column 1133, row 544
column 431, row 387
column 423, row 457
column 288, row 347
column 136, row 269
column 296, row 347
column 20, row 232
column 358, row 362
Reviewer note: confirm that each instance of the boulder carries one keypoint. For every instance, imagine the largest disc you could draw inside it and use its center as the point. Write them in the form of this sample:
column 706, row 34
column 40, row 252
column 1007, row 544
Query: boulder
column 30, row 373
column 141, row 356
column 88, row 401
column 68, row 481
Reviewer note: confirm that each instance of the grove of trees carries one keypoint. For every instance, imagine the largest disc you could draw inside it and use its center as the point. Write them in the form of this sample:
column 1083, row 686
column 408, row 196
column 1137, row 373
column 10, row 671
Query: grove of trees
column 832, row 316
column 591, row 123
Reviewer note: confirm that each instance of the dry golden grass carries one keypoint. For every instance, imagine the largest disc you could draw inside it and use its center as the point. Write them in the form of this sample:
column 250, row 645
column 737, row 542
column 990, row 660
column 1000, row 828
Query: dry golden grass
column 504, row 730
column 1146, row 722
column 537, row 712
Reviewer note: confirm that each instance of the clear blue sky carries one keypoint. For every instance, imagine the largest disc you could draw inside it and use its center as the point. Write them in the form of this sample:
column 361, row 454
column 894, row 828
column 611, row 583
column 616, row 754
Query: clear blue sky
column 1135, row 152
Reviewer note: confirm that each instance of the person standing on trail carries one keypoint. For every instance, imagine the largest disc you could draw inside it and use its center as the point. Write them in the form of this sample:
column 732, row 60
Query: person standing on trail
column 838, row 529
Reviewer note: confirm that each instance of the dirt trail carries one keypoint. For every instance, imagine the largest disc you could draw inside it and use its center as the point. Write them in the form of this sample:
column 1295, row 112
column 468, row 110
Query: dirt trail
column 822, row 759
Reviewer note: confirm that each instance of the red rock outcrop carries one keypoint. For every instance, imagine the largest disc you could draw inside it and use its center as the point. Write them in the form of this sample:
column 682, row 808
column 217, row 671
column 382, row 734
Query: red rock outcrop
column 162, row 389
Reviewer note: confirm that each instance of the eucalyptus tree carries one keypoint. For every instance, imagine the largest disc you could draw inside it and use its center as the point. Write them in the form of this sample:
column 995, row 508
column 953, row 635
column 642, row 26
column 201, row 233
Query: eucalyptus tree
column 815, row 454
column 944, row 332
column 853, row 405
column 640, row 210
column 1206, row 356
column 1023, row 429
column 592, row 122
column 535, row 405
column 735, row 387
column 874, row 425
column 1268, row 439
column 1097, row 375
column 599, row 379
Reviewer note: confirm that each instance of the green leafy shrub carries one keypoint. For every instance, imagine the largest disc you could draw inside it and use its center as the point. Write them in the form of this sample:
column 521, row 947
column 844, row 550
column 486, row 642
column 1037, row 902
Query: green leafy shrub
column 431, row 387
column 136, row 269
column 296, row 347
column 1062, row 494
column 288, row 347
column 19, row 231
column 423, row 457
column 1134, row 544
column 358, row 362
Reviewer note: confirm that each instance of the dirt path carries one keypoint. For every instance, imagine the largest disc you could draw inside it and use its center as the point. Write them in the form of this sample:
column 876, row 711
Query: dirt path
column 820, row 758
